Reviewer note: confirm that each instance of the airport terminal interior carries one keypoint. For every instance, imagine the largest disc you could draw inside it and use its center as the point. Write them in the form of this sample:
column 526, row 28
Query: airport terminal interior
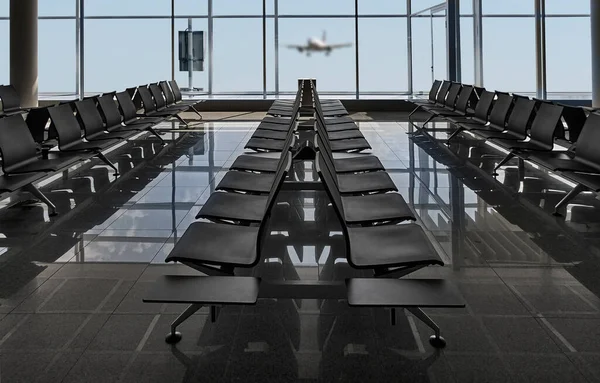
column 299, row 191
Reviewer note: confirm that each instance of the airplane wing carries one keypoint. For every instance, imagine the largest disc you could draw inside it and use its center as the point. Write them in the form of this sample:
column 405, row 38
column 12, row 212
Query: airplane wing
column 335, row 46
column 299, row 47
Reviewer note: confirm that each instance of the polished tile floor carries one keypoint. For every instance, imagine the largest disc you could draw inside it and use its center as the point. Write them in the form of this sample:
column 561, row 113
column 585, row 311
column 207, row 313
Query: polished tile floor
column 71, row 286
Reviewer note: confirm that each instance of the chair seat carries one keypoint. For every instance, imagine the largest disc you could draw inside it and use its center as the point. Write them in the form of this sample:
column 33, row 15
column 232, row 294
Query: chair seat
column 557, row 161
column 365, row 183
column 121, row 135
column 275, row 127
column 590, row 181
column 277, row 120
column 376, row 208
column 280, row 112
column 390, row 246
column 341, row 127
column 271, row 134
column 143, row 121
column 265, row 144
column 335, row 112
column 216, row 244
column 255, row 163
column 247, row 182
column 43, row 165
column 234, row 207
column 339, row 120
column 345, row 135
column 519, row 145
column 361, row 163
column 464, row 120
column 357, row 144
column 10, row 183
column 86, row 146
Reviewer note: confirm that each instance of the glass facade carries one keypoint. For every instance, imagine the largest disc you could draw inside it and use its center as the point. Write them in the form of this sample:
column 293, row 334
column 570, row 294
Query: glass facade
column 395, row 48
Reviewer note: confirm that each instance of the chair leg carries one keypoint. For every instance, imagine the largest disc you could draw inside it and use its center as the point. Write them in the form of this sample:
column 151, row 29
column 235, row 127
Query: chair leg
column 431, row 117
column 151, row 130
column 508, row 157
column 566, row 199
column 182, row 120
column 435, row 340
column 39, row 195
column 175, row 336
column 196, row 111
column 106, row 161
column 413, row 111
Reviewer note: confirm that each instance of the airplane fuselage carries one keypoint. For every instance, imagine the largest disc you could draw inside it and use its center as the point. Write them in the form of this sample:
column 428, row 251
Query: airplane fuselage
column 315, row 44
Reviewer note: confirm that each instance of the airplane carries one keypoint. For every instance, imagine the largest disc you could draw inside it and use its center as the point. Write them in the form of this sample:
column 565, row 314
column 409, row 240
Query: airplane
column 318, row 45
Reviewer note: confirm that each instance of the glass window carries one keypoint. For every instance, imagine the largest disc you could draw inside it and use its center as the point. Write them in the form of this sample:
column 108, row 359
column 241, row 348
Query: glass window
column 127, row 8
column 421, row 54
column 567, row 7
column 509, row 7
column 237, row 7
column 4, row 52
column 199, row 78
column 113, row 62
column 382, row 69
column 419, row 5
column 509, row 54
column 316, row 7
column 568, row 55
column 191, row 7
column 467, row 57
column 237, row 55
column 4, row 8
column 381, row 7
column 56, row 8
column 334, row 71
column 466, row 7
column 57, row 56
column 271, row 55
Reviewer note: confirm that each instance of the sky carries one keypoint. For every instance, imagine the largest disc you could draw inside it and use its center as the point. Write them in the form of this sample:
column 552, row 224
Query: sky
column 116, row 53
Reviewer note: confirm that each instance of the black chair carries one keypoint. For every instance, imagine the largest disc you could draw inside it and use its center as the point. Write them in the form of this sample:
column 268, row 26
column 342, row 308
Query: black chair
column 150, row 106
column 112, row 118
column 172, row 100
column 93, row 125
column 68, row 132
column 542, row 134
column 129, row 111
column 11, row 102
column 388, row 250
column 517, row 125
column 459, row 109
column 243, row 208
column 355, row 164
column 497, row 117
column 367, row 209
column 431, row 97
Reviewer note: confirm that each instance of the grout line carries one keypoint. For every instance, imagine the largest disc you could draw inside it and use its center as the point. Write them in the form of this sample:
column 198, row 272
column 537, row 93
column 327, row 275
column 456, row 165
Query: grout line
column 51, row 295
column 557, row 334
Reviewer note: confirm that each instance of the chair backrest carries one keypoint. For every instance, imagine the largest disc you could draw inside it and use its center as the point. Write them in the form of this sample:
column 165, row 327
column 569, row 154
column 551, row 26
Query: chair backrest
column 89, row 117
column 147, row 100
column 482, row 110
column 67, row 128
column 500, row 110
column 520, row 116
column 441, row 96
column 16, row 143
column 159, row 98
column 462, row 102
column 168, row 93
column 127, row 106
column 109, row 111
column 176, row 90
column 435, row 87
column 452, row 95
column 10, row 98
column 589, row 140
column 36, row 120
column 280, row 174
column 545, row 125
column 574, row 118
column 135, row 97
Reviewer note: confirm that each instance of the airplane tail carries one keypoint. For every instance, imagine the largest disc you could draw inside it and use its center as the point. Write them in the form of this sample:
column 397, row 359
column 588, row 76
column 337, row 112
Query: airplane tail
column 324, row 36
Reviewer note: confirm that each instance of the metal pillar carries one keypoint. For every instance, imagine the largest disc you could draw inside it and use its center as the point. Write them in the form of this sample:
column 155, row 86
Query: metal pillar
column 24, row 50
column 540, row 48
column 356, row 48
column 478, row 41
column 595, row 29
column 453, row 39
column 172, row 39
column 276, row 26
column 264, row 46
column 210, row 46
column 190, row 52
column 409, row 58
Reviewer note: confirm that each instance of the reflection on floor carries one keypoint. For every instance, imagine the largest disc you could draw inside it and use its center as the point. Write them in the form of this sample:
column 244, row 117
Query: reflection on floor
column 71, row 286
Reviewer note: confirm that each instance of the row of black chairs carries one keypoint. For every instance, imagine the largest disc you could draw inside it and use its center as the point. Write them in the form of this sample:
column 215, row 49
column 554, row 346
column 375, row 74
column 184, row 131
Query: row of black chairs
column 372, row 214
column 72, row 132
column 560, row 138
